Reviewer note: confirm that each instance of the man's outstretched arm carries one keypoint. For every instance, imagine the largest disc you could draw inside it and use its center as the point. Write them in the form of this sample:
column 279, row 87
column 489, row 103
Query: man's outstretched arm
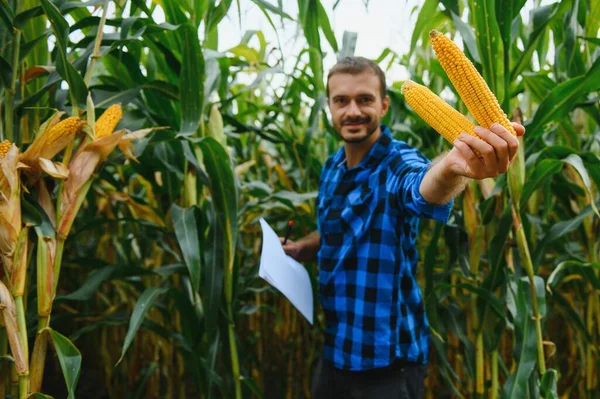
column 448, row 177
column 305, row 249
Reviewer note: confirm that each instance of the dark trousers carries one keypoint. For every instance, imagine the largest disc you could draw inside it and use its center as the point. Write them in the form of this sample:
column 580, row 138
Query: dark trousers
column 401, row 380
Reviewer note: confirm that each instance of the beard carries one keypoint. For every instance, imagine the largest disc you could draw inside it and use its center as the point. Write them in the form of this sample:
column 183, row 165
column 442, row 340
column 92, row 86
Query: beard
column 358, row 134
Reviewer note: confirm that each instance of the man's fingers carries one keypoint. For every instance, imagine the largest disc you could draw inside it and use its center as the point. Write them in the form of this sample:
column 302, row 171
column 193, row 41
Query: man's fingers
column 488, row 153
column 501, row 147
column 519, row 129
column 473, row 161
column 512, row 141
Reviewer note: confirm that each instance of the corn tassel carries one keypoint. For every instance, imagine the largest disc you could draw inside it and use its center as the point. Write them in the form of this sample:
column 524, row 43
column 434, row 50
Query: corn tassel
column 436, row 112
column 471, row 86
column 105, row 125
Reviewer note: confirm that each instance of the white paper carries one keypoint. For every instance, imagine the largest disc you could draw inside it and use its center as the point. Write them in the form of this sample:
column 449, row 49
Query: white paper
column 285, row 273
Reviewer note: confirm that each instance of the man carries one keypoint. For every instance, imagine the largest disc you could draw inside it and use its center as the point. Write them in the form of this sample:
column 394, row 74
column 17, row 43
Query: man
column 372, row 193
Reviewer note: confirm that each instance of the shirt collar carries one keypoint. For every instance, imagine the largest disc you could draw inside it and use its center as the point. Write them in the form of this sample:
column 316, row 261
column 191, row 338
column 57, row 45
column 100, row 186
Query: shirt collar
column 377, row 151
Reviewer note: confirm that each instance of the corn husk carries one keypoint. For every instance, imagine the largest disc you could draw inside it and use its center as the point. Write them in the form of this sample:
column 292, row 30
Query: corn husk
column 9, row 314
column 10, row 205
column 81, row 169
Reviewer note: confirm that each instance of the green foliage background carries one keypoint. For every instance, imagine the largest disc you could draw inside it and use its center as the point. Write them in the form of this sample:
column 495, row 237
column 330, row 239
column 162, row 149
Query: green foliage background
column 160, row 291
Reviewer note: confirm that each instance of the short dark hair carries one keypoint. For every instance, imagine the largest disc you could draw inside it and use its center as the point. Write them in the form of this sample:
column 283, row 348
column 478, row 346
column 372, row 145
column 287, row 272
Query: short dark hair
column 356, row 65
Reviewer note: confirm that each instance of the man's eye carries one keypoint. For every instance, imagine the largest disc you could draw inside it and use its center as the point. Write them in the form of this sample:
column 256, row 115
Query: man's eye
column 340, row 100
column 366, row 100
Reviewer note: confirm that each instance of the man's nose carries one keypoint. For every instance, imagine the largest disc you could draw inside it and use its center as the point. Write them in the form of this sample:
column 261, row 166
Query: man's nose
column 353, row 108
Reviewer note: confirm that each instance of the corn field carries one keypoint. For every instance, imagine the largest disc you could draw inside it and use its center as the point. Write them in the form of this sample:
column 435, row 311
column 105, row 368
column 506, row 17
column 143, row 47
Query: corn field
column 138, row 153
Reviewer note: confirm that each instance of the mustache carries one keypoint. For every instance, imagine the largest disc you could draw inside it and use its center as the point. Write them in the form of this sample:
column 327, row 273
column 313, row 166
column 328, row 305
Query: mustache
column 353, row 121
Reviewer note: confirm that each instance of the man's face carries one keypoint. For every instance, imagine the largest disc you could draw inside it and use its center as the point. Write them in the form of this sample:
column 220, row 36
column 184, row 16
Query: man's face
column 356, row 105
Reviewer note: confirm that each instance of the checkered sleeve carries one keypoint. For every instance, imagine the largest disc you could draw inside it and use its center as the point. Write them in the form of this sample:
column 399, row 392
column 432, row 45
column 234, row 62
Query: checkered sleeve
column 408, row 171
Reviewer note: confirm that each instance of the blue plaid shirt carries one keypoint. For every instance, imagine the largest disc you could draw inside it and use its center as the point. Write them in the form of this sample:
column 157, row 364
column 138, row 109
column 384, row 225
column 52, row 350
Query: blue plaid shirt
column 368, row 219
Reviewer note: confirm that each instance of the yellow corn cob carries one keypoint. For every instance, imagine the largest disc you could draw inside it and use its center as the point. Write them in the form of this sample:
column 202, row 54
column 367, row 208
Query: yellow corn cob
column 471, row 86
column 436, row 112
column 4, row 147
column 64, row 128
column 105, row 125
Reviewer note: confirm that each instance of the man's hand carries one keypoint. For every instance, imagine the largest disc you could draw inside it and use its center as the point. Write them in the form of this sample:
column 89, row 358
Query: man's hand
column 291, row 248
column 305, row 249
column 449, row 176
column 496, row 148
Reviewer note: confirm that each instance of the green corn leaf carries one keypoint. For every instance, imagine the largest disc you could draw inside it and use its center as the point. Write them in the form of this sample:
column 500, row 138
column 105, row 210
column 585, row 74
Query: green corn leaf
column 191, row 88
column 7, row 15
column 562, row 98
column 142, row 306
column 570, row 44
column 77, row 87
column 69, row 358
column 216, row 14
column 35, row 215
column 541, row 17
column 28, row 47
column 186, row 231
column 223, row 191
column 576, row 162
column 558, row 230
column 26, row 16
column 266, row 6
column 213, row 290
column 539, row 85
column 424, row 22
column 541, row 173
column 594, row 40
column 326, row 27
column 548, row 387
column 573, row 267
column 468, row 37
column 526, row 350
column 191, row 329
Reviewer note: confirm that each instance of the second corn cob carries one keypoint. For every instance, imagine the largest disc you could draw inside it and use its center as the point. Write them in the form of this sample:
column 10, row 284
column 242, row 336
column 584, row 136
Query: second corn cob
column 436, row 112
column 469, row 84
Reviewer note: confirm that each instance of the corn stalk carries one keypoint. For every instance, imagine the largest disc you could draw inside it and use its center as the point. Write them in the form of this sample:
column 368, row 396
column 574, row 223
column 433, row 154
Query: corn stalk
column 516, row 180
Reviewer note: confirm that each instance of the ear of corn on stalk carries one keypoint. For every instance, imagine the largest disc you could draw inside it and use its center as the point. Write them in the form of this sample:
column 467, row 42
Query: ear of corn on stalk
column 105, row 125
column 4, row 147
column 471, row 86
column 45, row 275
column 65, row 128
column 215, row 126
column 52, row 140
column 436, row 112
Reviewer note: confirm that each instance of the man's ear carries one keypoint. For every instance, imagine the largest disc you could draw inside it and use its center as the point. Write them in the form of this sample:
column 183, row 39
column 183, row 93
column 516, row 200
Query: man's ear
column 385, row 105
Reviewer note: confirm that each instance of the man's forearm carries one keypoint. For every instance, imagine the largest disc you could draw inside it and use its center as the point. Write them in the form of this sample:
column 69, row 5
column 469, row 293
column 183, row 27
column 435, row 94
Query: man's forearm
column 309, row 246
column 439, row 186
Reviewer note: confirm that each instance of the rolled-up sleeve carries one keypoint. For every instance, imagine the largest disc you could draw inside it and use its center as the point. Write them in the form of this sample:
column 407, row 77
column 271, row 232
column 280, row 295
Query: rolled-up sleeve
column 407, row 173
